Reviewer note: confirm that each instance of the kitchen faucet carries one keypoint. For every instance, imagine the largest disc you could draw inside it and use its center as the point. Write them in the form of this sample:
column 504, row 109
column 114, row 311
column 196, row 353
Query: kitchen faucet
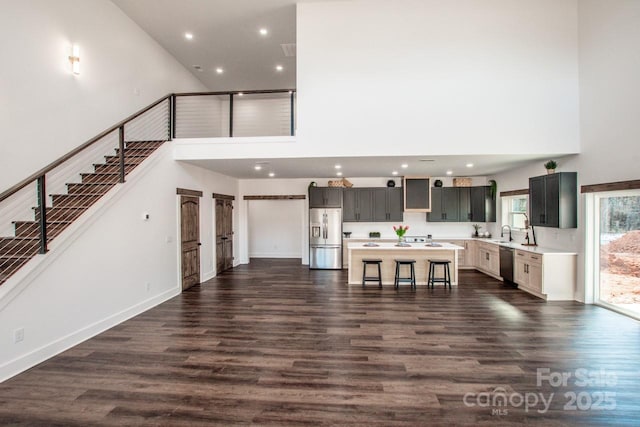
column 502, row 232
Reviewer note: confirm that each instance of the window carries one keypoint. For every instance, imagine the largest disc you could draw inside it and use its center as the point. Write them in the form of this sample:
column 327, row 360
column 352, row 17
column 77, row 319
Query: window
column 514, row 210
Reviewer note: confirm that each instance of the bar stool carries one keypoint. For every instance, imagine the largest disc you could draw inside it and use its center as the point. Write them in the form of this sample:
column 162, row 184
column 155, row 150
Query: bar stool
column 445, row 269
column 366, row 278
column 411, row 278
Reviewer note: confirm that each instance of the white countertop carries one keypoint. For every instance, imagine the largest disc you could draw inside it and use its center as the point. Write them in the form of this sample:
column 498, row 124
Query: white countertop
column 494, row 241
column 413, row 246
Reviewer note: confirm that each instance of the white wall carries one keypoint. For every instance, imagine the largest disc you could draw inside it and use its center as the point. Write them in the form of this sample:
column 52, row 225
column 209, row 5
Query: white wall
column 96, row 273
column 45, row 111
column 438, row 77
column 275, row 187
column 609, row 100
column 275, row 228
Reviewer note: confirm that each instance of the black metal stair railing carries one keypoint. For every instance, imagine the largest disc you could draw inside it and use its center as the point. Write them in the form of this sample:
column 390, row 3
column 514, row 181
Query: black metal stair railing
column 117, row 151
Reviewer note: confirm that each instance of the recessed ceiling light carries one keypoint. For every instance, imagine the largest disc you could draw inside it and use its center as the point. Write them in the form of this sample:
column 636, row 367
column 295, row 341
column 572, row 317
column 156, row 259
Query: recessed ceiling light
column 338, row 166
column 404, row 166
column 394, row 173
column 188, row 36
column 449, row 172
column 469, row 165
column 264, row 31
column 257, row 167
column 339, row 173
column 271, row 174
column 279, row 68
column 219, row 70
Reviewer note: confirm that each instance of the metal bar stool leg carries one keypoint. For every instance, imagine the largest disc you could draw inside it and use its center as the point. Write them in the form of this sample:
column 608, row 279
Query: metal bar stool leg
column 379, row 276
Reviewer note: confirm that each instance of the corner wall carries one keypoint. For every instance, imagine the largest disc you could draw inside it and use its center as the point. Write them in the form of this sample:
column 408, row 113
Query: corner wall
column 46, row 111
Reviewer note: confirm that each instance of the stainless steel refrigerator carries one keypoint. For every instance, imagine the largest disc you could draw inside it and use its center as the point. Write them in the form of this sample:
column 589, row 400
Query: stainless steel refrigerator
column 325, row 238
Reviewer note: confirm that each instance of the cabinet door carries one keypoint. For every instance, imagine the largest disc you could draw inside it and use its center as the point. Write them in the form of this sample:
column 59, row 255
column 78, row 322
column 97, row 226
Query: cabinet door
column 379, row 204
column 436, row 214
column 316, row 197
column 395, row 204
column 537, row 200
column 489, row 205
column 364, row 203
column 470, row 253
column 333, row 197
column 450, row 204
column 552, row 200
column 349, row 209
column 535, row 276
column 520, row 271
column 464, row 204
column 478, row 204
column 494, row 262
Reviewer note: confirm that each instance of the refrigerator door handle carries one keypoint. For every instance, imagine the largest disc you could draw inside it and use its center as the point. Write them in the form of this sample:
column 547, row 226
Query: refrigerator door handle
column 325, row 226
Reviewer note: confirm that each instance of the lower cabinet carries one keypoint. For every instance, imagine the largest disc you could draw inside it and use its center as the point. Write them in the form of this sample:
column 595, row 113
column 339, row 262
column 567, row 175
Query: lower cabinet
column 488, row 258
column 527, row 270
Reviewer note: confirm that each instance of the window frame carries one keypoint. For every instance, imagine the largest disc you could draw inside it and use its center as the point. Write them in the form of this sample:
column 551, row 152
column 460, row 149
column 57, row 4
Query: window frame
column 508, row 214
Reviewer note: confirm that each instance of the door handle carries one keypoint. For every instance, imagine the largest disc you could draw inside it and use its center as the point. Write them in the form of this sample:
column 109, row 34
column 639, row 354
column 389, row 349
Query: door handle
column 199, row 244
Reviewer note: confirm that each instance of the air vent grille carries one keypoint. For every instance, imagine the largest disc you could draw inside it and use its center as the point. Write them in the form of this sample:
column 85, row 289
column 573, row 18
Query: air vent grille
column 289, row 49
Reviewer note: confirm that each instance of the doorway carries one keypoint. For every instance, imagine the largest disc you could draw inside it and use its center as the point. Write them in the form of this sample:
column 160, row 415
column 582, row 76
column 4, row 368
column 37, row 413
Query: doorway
column 617, row 256
column 190, row 237
column 224, row 234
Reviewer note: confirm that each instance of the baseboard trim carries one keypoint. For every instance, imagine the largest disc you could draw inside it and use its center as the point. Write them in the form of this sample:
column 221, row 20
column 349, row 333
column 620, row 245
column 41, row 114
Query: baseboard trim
column 39, row 355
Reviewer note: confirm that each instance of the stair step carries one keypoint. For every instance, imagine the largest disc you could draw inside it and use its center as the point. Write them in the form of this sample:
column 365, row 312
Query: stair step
column 136, row 152
column 74, row 200
column 103, row 178
column 113, row 168
column 89, row 188
column 62, row 214
column 17, row 244
column 129, row 160
column 8, row 266
column 135, row 145
column 32, row 228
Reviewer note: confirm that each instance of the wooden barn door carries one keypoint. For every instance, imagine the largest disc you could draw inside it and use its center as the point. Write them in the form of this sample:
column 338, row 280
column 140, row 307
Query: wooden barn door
column 190, row 238
column 224, row 234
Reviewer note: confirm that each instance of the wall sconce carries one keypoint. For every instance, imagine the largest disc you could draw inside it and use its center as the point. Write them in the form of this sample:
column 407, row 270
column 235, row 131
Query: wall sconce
column 75, row 59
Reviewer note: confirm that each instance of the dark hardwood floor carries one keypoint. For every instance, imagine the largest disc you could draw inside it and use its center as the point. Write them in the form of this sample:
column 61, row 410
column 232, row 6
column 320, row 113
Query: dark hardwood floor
column 273, row 343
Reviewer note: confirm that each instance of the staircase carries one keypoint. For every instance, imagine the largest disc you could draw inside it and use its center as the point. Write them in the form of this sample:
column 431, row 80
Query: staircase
column 65, row 208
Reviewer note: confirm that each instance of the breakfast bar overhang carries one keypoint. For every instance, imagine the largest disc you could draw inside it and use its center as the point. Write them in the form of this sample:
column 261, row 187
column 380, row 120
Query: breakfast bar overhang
column 389, row 252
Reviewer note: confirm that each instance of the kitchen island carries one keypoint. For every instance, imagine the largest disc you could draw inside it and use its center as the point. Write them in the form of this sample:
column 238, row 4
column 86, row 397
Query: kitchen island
column 388, row 252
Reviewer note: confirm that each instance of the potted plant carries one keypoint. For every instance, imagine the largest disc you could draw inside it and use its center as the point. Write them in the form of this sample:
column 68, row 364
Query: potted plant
column 493, row 185
column 476, row 227
column 400, row 232
column 550, row 166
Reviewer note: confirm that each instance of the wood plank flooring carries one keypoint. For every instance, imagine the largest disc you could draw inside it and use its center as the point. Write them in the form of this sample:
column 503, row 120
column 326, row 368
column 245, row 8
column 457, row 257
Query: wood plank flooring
column 273, row 343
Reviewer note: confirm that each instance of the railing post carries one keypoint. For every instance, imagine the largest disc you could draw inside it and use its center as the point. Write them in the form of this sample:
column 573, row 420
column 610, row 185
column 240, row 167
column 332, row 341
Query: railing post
column 230, row 115
column 121, row 145
column 42, row 209
column 293, row 131
column 172, row 113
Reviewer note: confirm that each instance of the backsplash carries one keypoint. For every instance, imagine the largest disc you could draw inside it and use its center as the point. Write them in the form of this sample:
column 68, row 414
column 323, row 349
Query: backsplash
column 418, row 226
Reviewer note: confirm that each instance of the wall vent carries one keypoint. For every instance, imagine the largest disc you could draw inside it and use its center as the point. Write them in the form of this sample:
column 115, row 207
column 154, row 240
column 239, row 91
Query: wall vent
column 289, row 49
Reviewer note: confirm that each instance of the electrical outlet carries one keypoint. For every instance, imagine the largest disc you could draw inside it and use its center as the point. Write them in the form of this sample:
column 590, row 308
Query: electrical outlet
column 18, row 335
column 148, row 285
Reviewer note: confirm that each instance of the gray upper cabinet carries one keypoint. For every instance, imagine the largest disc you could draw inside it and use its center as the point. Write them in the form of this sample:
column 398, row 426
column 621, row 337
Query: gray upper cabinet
column 483, row 206
column 553, row 200
column 462, row 204
column 445, row 205
column 372, row 205
column 395, row 204
column 325, row 197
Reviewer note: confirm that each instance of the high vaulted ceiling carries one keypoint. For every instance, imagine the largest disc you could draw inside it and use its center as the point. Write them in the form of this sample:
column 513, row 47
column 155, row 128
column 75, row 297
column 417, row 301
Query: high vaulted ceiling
column 226, row 34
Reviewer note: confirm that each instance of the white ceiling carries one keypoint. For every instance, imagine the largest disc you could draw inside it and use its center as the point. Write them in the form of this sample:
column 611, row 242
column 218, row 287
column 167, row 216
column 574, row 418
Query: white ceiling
column 226, row 34
column 354, row 167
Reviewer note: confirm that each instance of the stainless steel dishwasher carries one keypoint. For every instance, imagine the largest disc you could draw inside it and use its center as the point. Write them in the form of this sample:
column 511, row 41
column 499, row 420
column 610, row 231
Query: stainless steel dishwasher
column 506, row 264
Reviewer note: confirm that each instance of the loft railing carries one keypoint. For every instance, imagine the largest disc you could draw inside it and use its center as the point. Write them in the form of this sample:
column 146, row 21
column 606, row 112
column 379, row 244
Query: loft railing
column 235, row 114
column 181, row 115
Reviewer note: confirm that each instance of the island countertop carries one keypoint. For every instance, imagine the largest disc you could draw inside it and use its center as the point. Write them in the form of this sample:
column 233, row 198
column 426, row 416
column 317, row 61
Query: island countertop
column 388, row 252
